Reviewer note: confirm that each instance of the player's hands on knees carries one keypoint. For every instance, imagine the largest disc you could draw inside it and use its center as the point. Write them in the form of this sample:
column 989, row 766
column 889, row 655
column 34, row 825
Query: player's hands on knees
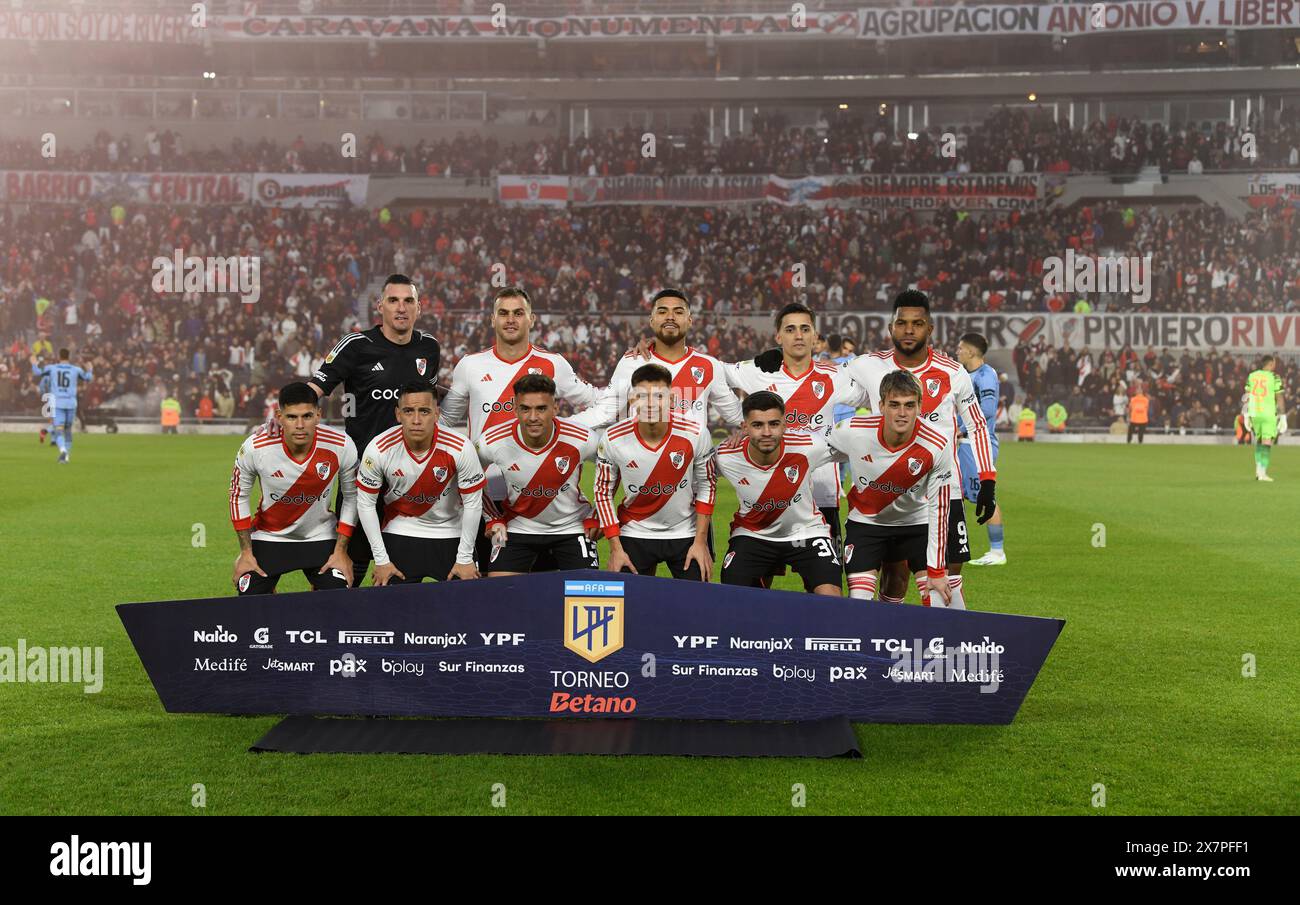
column 939, row 588
column 619, row 561
column 246, row 562
column 699, row 553
column 341, row 562
column 464, row 571
column 386, row 573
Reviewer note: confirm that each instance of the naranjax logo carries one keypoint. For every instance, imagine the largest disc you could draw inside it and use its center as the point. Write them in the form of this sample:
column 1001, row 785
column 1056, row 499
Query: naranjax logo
column 103, row 859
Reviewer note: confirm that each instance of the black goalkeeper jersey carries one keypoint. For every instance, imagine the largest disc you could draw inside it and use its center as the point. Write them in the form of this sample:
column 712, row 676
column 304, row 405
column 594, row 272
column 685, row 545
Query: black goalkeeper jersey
column 373, row 369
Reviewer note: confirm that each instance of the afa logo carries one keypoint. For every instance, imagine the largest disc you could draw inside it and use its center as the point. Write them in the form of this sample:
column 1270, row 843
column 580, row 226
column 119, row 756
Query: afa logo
column 593, row 618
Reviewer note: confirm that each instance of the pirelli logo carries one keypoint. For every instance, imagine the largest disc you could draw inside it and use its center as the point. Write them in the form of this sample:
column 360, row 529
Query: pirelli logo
column 833, row 644
column 346, row 637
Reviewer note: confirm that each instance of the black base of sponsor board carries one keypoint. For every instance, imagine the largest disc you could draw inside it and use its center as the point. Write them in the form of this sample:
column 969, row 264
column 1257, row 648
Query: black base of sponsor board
column 833, row 737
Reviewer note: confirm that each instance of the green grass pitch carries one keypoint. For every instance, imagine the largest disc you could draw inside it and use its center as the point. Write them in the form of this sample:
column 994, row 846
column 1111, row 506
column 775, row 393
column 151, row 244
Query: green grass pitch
column 1144, row 692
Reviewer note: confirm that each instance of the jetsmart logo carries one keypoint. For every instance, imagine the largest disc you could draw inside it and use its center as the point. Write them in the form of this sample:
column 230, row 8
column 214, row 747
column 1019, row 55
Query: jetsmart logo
column 103, row 859
column 240, row 274
column 365, row 637
column 1099, row 273
column 36, row 664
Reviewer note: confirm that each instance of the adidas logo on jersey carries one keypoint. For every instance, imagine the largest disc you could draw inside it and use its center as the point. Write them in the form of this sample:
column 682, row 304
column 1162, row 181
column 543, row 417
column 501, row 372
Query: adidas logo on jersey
column 744, row 480
column 633, row 464
column 398, row 474
column 277, row 473
column 514, row 467
column 867, row 457
column 379, row 366
column 486, row 378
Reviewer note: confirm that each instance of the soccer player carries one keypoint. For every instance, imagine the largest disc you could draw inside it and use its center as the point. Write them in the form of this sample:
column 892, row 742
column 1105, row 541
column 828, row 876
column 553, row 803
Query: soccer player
column 809, row 389
column 64, row 377
column 1265, row 404
column 898, row 505
column 699, row 382
column 777, row 524
column 541, row 458
column 482, row 392
column 946, row 390
column 666, row 463
column 373, row 366
column 295, row 461
column 971, row 350
column 432, row 487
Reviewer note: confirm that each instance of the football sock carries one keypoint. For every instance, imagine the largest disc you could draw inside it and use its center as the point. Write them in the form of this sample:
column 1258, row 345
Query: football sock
column 862, row 585
column 1265, row 454
column 995, row 537
column 922, row 587
column 958, row 601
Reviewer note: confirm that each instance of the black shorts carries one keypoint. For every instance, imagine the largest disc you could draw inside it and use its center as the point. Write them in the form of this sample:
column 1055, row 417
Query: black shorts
column 867, row 547
column 279, row 557
column 647, row 553
column 522, row 551
column 545, row 562
column 751, row 559
column 958, row 540
column 419, row 558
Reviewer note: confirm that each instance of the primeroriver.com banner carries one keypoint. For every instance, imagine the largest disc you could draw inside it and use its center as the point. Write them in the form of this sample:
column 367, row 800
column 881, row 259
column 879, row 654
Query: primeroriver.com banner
column 583, row 644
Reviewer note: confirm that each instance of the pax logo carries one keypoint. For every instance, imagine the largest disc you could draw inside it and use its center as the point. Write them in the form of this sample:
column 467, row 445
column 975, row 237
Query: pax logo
column 347, row 666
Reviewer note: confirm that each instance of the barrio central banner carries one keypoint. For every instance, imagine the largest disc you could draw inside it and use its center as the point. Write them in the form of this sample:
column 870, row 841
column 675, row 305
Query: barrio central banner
column 311, row 190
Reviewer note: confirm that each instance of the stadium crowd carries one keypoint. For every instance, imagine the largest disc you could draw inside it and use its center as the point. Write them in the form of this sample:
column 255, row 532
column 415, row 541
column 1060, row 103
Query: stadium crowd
column 1008, row 141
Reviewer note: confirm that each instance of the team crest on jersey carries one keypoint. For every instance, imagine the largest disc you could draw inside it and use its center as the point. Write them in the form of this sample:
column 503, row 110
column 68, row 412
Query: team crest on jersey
column 534, row 370
column 698, row 373
column 440, row 473
column 244, row 581
column 792, row 473
column 726, row 561
column 562, row 463
column 421, row 364
column 932, row 386
column 677, row 458
column 848, row 553
column 914, row 465
column 819, row 388
column 322, row 470
column 496, row 551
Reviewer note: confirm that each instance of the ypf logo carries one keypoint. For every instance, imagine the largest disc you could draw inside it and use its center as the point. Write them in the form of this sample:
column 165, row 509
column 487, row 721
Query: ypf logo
column 593, row 618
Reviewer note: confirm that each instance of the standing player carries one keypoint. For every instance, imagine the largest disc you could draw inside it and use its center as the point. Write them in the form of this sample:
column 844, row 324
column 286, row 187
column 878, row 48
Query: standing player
column 666, row 462
column 373, row 366
column 295, row 461
column 777, row 524
column 1266, row 411
column 898, row 505
column 541, row 458
column 971, row 350
column 946, row 390
column 432, row 487
column 64, row 379
column 809, row 389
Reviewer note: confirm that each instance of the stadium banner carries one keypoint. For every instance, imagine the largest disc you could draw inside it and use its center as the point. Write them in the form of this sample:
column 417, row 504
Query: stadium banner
column 579, row 644
column 43, row 186
column 551, row 191
column 1237, row 333
column 912, row 191
column 310, row 189
column 97, row 25
column 622, row 26
column 1076, row 19
column 679, row 191
column 1273, row 189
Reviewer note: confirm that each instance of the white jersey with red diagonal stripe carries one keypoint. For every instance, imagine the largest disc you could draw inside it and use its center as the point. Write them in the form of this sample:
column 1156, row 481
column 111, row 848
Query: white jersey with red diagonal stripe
column 946, row 389
column 543, row 495
column 700, row 388
column 776, row 502
column 810, row 400
column 421, row 494
column 664, row 486
column 295, row 493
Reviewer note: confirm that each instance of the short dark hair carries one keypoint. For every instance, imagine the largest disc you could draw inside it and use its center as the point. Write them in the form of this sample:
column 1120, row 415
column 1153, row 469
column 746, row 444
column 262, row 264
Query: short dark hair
column 534, row 383
column 899, row 383
column 978, row 341
column 912, row 298
column 1263, row 362
column 652, row 373
column 416, row 387
column 511, row 292
column 795, row 308
column 835, row 342
column 64, row 354
column 670, row 294
column 297, row 393
column 400, row 279
column 762, row 401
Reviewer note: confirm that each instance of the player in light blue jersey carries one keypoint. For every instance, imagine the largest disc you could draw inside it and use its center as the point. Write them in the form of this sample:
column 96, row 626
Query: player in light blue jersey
column 65, row 378
column 970, row 352
column 47, row 408
column 841, row 350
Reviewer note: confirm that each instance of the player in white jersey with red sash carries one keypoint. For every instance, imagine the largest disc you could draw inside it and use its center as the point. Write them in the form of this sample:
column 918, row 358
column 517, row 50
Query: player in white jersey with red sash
column 777, row 524
column 665, row 464
column 295, row 462
column 898, row 504
column 946, row 389
column 810, row 389
column 431, row 483
column 544, row 512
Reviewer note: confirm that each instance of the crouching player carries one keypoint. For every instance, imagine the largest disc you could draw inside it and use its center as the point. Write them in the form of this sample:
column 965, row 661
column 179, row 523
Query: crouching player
column 666, row 464
column 295, row 459
column 777, row 523
column 898, row 507
column 432, row 486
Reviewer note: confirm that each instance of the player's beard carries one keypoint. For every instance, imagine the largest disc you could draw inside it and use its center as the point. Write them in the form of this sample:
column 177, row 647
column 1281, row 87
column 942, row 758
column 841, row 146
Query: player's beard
column 898, row 346
column 672, row 339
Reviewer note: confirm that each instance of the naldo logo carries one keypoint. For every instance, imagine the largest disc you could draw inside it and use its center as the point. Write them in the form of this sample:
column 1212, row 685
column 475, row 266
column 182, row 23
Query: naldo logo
column 217, row 636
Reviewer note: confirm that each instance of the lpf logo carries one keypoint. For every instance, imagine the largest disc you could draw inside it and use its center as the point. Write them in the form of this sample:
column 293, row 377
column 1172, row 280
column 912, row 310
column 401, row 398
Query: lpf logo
column 593, row 618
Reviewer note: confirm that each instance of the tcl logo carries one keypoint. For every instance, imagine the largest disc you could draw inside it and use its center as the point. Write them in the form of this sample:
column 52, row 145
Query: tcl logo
column 305, row 636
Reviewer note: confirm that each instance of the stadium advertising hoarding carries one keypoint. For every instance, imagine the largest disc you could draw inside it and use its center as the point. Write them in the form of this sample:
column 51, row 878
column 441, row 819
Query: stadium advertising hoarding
column 310, row 189
column 18, row 24
column 1272, row 189
column 280, row 189
column 579, row 644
